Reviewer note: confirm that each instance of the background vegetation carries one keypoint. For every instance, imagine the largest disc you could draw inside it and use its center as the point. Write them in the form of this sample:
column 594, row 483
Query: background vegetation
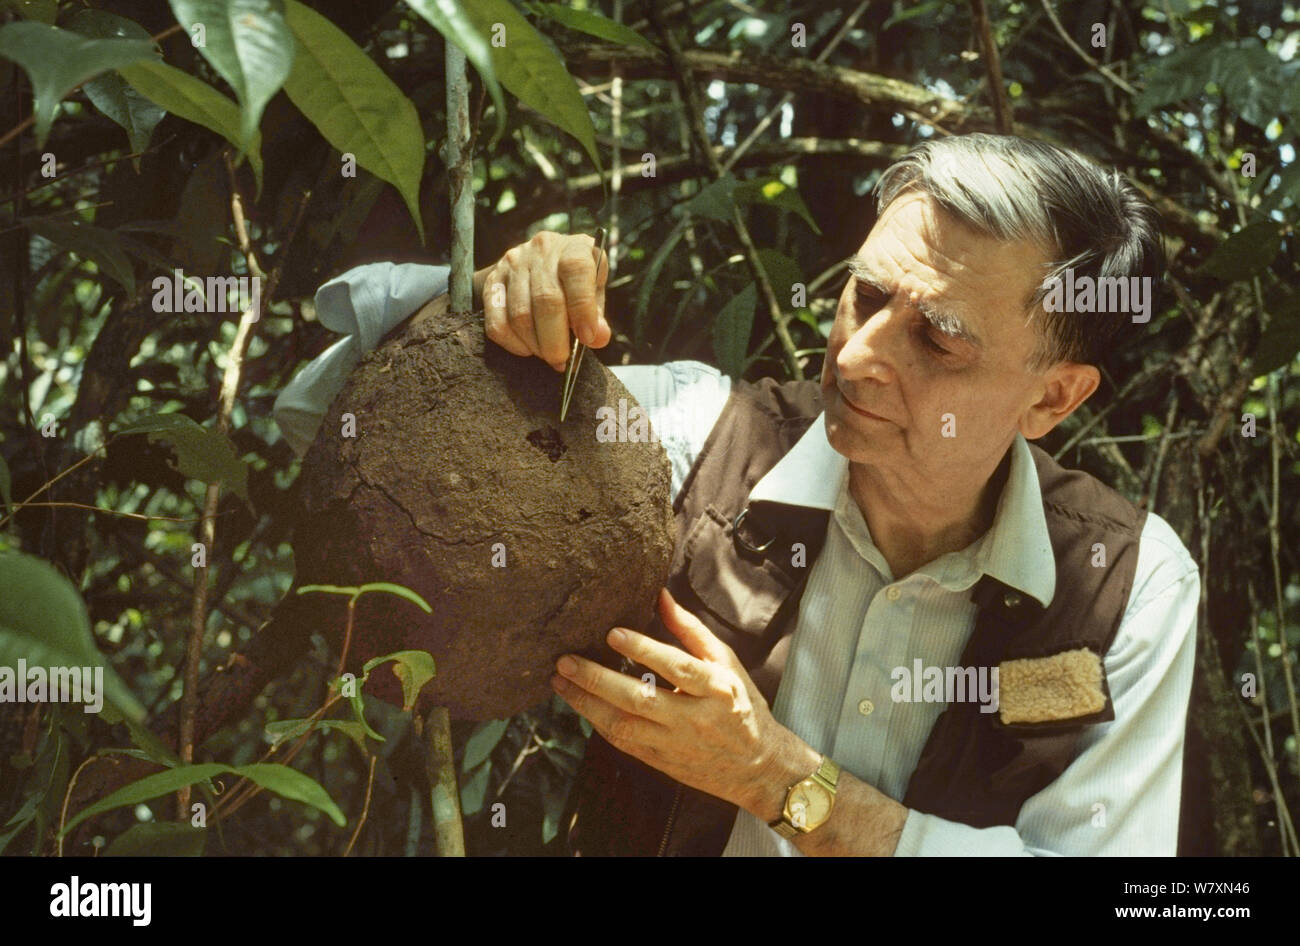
column 764, row 152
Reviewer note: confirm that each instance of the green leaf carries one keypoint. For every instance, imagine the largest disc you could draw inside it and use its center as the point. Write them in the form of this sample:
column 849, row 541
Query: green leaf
column 44, row 11
column 359, row 709
column 182, row 94
column 414, row 668
column 1244, row 254
column 552, row 811
column 329, row 590
column 474, row 789
column 778, row 194
column 282, row 780
column 248, row 43
column 782, row 272
column 593, row 24
column 448, row 17
column 482, row 741
column 354, row 105
column 201, row 454
column 400, row 590
column 153, row 748
column 649, row 279
column 716, row 200
column 908, row 12
column 57, row 61
column 110, row 93
column 1281, row 340
column 1251, row 79
column 159, row 839
column 96, row 244
column 1288, row 185
column 43, row 620
column 1180, row 75
column 286, row 729
column 731, row 331
column 532, row 71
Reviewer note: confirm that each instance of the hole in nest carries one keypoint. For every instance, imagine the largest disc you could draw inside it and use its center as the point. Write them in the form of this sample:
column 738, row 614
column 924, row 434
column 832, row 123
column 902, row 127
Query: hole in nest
column 584, row 514
column 547, row 440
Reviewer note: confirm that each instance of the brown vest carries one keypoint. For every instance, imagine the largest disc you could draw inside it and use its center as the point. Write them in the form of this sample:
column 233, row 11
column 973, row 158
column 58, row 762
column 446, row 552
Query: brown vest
column 974, row 768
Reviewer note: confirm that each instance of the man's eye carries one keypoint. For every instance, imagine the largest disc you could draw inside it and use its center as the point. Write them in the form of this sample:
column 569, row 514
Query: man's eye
column 869, row 301
column 931, row 344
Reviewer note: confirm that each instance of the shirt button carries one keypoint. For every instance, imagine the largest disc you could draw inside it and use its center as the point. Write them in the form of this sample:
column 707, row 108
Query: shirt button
column 892, row 593
column 865, row 707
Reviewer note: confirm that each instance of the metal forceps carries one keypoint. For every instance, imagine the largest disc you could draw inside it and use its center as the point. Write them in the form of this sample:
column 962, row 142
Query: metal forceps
column 575, row 355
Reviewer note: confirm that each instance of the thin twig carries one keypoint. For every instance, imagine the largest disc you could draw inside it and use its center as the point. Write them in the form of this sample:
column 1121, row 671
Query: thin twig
column 48, row 483
column 690, row 96
column 365, row 808
column 245, row 789
column 1078, row 50
column 1274, row 543
column 788, row 97
column 997, row 90
column 229, row 391
column 1153, row 484
column 128, row 515
column 67, row 797
column 1266, row 750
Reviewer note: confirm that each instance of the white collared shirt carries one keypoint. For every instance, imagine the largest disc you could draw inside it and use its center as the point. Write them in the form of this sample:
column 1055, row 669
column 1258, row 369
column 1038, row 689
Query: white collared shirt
column 856, row 624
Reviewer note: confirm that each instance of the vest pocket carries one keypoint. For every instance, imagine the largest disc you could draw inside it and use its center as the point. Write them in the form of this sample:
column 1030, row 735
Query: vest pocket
column 743, row 594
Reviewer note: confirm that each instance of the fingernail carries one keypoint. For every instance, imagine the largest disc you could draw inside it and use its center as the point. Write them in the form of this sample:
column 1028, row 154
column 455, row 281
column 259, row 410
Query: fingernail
column 584, row 333
column 617, row 636
column 567, row 666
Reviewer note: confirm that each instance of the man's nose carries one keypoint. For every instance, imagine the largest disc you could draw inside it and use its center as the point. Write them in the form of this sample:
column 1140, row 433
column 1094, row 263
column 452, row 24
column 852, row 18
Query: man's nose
column 871, row 352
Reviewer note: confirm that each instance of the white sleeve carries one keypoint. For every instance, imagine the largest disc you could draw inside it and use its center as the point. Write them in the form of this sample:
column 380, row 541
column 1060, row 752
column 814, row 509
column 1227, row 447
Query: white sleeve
column 1121, row 794
column 364, row 304
column 683, row 400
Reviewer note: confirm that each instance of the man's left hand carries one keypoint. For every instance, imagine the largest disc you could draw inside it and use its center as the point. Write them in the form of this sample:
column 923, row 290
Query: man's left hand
column 713, row 732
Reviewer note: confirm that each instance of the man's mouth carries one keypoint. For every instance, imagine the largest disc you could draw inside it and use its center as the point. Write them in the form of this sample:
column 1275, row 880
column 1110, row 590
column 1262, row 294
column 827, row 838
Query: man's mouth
column 858, row 410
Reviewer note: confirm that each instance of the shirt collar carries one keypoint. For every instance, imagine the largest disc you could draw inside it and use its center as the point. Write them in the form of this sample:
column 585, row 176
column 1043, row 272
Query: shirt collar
column 1016, row 550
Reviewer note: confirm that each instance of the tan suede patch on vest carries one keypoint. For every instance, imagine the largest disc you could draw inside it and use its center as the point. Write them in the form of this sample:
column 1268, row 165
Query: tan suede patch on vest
column 1063, row 686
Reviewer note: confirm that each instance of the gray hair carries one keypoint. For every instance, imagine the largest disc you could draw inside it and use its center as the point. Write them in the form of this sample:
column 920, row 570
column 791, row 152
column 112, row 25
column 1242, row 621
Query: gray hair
column 1088, row 218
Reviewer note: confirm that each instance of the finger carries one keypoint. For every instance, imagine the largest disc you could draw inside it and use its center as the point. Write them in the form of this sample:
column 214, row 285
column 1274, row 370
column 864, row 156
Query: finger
column 549, row 317
column 496, row 324
column 519, row 309
column 689, row 674
column 629, row 694
column 624, row 731
column 576, row 269
column 688, row 629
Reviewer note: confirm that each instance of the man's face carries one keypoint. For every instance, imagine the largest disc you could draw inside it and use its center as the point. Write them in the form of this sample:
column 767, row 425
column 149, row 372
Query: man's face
column 916, row 373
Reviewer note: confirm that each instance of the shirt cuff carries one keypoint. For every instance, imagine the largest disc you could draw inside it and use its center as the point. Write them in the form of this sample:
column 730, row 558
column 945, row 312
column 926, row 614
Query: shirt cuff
column 931, row 836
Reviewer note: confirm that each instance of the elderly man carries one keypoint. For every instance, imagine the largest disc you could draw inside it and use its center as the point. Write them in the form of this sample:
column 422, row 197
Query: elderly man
column 965, row 648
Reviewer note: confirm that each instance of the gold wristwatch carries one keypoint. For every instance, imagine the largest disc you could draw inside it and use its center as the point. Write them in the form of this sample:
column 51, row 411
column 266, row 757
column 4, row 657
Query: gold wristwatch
column 808, row 803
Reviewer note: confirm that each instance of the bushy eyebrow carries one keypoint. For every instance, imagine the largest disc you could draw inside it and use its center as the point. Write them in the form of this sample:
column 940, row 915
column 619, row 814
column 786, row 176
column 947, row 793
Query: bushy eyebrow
column 945, row 321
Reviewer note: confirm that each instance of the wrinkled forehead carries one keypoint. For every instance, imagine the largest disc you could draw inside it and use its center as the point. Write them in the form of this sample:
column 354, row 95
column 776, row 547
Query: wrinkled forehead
column 926, row 248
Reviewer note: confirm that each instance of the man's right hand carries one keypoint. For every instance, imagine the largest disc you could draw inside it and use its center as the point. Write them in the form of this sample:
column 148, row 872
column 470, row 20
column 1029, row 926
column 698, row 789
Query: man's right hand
column 540, row 289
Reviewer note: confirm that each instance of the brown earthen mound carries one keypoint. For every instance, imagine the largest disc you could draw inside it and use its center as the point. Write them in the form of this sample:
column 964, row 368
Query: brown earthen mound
column 459, row 463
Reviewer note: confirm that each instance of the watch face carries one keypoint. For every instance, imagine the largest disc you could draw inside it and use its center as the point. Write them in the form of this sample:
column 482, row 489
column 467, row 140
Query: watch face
column 809, row 804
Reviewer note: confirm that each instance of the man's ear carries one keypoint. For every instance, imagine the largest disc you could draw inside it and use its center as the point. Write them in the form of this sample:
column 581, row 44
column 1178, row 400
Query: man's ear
column 1065, row 387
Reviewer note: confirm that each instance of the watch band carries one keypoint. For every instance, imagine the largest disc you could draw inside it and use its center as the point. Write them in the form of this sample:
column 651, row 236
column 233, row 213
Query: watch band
column 827, row 776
